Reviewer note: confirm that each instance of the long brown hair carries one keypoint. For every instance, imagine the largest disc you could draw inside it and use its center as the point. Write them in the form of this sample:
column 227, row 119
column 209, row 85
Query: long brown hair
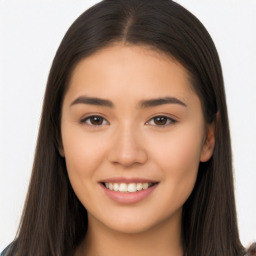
column 54, row 221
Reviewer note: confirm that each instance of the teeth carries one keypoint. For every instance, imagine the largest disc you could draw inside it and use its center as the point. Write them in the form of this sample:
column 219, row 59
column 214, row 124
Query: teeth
column 145, row 185
column 110, row 186
column 124, row 187
column 116, row 187
column 132, row 187
column 139, row 186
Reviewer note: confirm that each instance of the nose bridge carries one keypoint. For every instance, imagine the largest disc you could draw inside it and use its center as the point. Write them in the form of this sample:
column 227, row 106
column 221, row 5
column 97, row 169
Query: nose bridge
column 127, row 148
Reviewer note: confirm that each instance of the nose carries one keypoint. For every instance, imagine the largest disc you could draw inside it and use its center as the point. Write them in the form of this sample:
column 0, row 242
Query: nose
column 127, row 148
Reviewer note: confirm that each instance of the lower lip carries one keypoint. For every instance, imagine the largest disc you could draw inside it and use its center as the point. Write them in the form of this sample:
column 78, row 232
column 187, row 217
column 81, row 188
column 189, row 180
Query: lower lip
column 128, row 197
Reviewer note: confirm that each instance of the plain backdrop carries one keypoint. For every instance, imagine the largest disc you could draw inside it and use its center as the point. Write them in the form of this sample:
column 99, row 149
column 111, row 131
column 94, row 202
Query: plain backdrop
column 30, row 32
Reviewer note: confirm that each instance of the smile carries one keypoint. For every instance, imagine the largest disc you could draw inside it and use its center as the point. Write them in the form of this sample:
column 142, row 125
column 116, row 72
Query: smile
column 128, row 191
column 128, row 187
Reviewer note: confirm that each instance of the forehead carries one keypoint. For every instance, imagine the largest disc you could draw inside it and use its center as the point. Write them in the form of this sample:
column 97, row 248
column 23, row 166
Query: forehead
column 130, row 70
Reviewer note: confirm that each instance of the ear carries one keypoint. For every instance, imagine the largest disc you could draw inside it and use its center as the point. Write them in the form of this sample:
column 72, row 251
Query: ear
column 60, row 147
column 61, row 151
column 208, row 143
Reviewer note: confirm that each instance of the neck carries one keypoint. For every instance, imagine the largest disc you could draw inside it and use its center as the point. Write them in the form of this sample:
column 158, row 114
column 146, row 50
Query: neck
column 162, row 240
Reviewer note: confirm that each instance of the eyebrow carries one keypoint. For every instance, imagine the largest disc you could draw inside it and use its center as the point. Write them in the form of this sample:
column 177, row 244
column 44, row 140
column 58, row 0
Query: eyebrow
column 142, row 104
column 161, row 101
column 92, row 101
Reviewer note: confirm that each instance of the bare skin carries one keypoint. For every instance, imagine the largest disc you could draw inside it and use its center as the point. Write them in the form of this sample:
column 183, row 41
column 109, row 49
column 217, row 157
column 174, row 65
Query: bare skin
column 146, row 123
column 160, row 241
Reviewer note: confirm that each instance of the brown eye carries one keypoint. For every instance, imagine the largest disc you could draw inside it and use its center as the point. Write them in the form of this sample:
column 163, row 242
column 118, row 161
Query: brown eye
column 161, row 121
column 94, row 120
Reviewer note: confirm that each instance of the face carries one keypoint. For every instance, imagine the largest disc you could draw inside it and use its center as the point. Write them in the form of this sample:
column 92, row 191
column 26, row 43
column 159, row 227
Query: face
column 133, row 135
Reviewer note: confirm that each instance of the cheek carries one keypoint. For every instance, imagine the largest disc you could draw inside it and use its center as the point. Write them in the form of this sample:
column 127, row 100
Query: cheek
column 79, row 151
column 82, row 162
column 182, row 147
column 178, row 159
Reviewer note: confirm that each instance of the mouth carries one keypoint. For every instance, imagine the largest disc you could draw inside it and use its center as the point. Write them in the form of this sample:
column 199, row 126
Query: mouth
column 128, row 187
column 128, row 191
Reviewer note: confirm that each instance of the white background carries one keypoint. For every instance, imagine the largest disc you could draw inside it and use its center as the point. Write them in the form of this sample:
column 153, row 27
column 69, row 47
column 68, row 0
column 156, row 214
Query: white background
column 30, row 32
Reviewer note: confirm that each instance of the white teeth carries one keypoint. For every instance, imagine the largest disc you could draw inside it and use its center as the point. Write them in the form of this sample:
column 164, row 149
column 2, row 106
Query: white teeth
column 110, row 186
column 145, row 185
column 139, row 186
column 132, row 187
column 124, row 187
column 116, row 187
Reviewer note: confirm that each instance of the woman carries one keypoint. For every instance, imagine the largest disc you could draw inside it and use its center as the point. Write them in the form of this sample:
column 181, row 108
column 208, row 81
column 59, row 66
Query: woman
column 134, row 144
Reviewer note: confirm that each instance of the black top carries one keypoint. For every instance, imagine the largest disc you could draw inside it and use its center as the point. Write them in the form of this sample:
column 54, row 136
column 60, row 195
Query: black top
column 8, row 249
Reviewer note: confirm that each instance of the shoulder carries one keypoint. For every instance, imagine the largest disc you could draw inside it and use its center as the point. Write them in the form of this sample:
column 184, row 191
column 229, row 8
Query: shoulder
column 8, row 250
column 252, row 250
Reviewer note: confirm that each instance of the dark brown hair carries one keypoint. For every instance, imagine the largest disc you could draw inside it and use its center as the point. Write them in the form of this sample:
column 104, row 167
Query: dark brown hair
column 54, row 221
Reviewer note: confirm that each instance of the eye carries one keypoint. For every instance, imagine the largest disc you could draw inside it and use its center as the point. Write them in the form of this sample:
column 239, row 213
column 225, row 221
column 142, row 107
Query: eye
column 161, row 121
column 94, row 120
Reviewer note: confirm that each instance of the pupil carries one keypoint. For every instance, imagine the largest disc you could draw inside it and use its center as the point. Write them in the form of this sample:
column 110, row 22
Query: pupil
column 96, row 120
column 160, row 120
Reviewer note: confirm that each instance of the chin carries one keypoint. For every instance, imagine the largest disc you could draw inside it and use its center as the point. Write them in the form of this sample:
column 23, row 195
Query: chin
column 131, row 228
column 141, row 223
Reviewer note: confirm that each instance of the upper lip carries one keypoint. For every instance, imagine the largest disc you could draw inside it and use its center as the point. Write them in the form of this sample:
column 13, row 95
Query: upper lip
column 127, row 180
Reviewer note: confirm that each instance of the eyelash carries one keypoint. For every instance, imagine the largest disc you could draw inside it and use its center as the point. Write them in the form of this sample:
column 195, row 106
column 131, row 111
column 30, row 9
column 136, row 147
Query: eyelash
column 84, row 121
column 169, row 121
